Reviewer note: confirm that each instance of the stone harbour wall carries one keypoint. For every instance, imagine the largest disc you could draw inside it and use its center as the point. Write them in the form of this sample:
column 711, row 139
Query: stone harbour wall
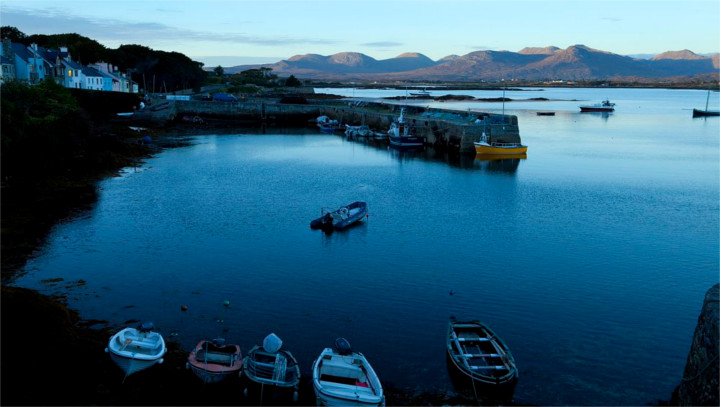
column 700, row 383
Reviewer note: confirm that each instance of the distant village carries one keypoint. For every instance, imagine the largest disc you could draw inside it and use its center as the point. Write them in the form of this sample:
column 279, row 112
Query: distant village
column 33, row 64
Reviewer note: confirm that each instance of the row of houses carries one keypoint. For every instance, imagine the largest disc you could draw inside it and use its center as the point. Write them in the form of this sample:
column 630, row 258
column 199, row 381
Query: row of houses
column 32, row 64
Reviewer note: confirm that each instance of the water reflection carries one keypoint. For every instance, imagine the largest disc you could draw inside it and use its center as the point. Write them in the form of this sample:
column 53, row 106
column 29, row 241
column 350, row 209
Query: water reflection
column 499, row 163
column 603, row 115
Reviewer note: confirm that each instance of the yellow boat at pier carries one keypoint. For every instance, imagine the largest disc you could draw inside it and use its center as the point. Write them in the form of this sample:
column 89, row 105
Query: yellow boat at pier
column 486, row 147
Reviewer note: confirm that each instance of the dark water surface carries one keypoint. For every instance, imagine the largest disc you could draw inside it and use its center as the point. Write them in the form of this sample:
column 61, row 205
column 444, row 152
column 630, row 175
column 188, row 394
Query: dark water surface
column 590, row 258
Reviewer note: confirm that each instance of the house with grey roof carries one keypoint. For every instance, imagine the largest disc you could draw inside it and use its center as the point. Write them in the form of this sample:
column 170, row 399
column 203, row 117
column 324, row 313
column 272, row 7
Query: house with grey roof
column 91, row 79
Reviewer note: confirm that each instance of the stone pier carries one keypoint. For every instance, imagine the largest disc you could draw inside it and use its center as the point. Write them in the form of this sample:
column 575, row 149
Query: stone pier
column 449, row 129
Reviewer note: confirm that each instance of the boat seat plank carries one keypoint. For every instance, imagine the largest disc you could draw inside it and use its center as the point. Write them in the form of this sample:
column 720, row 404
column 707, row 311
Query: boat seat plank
column 140, row 344
column 481, row 355
column 346, row 388
column 218, row 358
column 466, row 339
column 488, row 367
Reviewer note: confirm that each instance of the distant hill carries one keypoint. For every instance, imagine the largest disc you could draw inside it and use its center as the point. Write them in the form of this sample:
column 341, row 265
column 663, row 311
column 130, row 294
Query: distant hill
column 577, row 62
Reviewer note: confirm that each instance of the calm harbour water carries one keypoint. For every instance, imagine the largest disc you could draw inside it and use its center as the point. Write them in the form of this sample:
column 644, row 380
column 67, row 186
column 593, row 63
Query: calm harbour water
column 590, row 257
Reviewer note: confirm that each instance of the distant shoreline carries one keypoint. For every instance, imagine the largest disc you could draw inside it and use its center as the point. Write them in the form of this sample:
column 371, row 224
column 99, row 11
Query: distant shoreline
column 517, row 85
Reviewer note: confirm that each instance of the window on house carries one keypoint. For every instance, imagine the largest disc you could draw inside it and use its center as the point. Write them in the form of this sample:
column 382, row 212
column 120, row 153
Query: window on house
column 70, row 72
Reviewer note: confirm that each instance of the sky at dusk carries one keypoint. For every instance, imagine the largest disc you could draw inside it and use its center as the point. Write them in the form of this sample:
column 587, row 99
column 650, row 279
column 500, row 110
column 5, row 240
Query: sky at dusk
column 240, row 32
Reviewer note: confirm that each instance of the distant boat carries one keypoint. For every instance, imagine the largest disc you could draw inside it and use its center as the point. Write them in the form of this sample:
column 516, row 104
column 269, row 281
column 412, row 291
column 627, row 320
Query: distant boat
column 705, row 112
column 480, row 361
column 270, row 365
column 400, row 134
column 494, row 148
column 545, row 113
column 213, row 361
column 604, row 106
column 342, row 217
column 136, row 349
column 342, row 377
column 422, row 93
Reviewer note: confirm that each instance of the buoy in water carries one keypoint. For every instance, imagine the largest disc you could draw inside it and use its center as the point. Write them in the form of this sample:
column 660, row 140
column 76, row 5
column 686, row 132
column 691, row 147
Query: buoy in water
column 183, row 307
column 226, row 303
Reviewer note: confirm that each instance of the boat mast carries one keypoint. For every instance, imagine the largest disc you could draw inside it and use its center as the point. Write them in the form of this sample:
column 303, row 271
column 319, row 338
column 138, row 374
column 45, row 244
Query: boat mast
column 708, row 93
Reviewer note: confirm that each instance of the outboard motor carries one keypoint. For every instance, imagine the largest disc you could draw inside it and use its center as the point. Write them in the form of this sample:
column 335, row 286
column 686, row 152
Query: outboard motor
column 342, row 346
column 146, row 327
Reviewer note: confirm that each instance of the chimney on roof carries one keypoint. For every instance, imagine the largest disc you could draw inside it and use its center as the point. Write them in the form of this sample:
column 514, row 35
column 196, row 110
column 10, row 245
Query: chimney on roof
column 34, row 46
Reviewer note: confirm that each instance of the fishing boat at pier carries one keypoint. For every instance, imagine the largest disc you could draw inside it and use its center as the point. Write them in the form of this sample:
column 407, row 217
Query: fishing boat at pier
column 495, row 148
column 269, row 365
column 605, row 106
column 136, row 349
column 342, row 377
column 479, row 361
column 401, row 134
column 342, row 217
column 214, row 361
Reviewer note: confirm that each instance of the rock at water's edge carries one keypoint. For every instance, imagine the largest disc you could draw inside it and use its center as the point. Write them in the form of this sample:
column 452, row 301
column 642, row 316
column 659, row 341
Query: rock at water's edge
column 700, row 383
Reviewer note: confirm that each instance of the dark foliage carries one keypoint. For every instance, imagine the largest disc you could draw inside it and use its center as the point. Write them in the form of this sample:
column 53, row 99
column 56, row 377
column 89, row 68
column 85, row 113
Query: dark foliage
column 12, row 33
column 82, row 49
column 45, row 132
column 159, row 71
column 292, row 81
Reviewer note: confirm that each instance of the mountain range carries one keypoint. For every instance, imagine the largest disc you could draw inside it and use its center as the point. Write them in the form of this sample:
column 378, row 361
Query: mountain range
column 575, row 63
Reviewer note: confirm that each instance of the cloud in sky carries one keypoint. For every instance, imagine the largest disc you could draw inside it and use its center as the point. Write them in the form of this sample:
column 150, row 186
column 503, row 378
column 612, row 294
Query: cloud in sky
column 114, row 32
column 382, row 44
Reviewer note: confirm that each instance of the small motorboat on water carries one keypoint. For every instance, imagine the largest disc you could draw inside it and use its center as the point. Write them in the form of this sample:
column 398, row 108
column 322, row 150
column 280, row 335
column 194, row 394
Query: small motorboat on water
column 213, row 361
column 545, row 113
column 342, row 217
column 604, row 106
column 487, row 147
column 272, row 366
column 342, row 377
column 135, row 349
column 479, row 361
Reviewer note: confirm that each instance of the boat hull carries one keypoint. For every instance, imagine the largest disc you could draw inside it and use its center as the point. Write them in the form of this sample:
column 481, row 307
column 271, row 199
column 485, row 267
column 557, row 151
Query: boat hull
column 330, row 366
column 704, row 113
column 500, row 151
column 588, row 109
column 406, row 142
column 213, row 364
column 479, row 362
column 341, row 218
column 130, row 365
column 133, row 350
column 265, row 374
